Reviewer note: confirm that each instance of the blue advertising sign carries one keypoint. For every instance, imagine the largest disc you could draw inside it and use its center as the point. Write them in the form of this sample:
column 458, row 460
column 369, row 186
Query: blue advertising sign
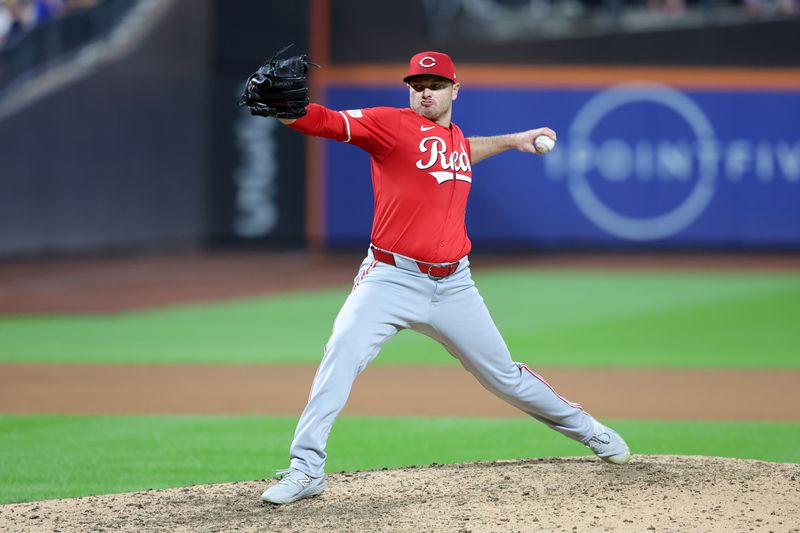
column 639, row 164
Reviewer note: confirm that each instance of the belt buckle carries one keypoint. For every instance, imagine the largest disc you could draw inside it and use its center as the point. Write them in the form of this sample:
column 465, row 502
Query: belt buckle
column 431, row 276
column 451, row 268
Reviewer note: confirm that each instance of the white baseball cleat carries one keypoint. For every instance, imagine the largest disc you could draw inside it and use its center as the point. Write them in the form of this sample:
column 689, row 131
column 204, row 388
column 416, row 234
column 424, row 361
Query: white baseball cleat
column 294, row 485
column 608, row 445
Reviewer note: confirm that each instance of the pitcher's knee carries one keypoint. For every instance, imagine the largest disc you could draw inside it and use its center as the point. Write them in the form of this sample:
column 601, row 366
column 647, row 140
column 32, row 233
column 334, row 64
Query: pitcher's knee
column 503, row 382
column 524, row 371
column 350, row 340
column 352, row 350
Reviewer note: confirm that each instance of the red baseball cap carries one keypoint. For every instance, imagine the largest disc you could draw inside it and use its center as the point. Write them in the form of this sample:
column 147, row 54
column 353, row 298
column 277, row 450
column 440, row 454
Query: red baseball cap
column 433, row 63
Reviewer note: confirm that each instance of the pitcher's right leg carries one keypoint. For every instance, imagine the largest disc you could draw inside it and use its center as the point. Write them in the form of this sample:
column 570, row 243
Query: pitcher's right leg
column 384, row 300
column 368, row 318
column 360, row 329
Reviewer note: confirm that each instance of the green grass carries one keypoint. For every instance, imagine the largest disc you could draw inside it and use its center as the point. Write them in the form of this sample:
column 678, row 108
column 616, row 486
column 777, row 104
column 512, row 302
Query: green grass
column 547, row 318
column 43, row 457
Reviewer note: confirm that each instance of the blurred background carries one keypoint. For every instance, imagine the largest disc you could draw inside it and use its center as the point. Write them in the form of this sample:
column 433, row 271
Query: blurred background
column 120, row 131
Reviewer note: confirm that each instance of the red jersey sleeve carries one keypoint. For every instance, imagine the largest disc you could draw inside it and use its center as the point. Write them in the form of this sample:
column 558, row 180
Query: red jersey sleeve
column 321, row 122
column 373, row 129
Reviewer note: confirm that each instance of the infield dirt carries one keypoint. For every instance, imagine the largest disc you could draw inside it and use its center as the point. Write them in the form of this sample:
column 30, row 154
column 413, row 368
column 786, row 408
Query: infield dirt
column 666, row 394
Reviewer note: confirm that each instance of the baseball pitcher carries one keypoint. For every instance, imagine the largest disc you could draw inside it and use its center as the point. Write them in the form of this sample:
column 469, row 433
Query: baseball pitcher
column 416, row 274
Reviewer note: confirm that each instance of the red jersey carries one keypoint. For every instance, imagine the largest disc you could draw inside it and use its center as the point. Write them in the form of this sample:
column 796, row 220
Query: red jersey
column 421, row 177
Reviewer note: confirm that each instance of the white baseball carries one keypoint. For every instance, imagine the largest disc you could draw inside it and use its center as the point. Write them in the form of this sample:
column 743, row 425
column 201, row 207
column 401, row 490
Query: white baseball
column 543, row 144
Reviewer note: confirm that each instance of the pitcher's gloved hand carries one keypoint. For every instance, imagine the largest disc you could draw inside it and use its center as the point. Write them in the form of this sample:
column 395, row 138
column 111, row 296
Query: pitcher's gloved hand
column 279, row 88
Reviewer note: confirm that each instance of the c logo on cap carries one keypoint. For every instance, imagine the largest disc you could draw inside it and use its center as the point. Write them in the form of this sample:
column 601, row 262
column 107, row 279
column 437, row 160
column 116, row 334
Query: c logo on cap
column 427, row 62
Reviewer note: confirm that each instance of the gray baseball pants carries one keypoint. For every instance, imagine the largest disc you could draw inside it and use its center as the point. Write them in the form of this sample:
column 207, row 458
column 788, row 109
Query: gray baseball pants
column 387, row 299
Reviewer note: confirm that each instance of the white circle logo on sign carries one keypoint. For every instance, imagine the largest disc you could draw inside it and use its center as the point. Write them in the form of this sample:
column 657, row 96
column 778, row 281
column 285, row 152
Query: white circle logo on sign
column 658, row 226
column 427, row 62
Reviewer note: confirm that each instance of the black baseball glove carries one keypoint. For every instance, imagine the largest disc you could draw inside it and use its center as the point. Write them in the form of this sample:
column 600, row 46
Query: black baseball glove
column 279, row 88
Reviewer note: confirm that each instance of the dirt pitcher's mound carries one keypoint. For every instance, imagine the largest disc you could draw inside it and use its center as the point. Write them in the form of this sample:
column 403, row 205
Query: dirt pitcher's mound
column 653, row 493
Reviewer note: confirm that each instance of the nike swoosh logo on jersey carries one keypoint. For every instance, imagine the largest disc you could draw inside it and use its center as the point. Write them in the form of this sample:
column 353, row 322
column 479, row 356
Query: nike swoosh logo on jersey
column 426, row 128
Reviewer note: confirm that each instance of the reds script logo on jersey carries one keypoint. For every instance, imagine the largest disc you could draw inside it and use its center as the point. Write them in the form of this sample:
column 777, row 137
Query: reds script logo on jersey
column 436, row 150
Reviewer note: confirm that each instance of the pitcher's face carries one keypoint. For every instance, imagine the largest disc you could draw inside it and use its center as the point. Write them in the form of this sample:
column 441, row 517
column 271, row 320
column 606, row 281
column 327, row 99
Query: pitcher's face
column 432, row 96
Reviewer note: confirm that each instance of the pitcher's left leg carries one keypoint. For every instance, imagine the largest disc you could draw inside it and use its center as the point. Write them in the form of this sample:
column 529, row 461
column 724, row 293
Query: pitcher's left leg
column 462, row 323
